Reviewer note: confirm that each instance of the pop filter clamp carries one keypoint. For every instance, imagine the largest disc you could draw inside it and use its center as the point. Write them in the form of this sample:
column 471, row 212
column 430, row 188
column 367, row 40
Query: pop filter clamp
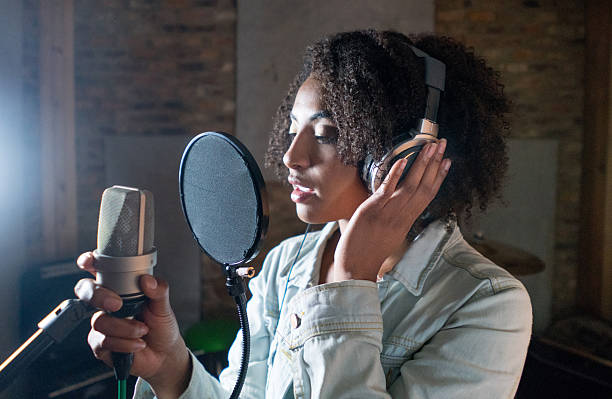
column 223, row 197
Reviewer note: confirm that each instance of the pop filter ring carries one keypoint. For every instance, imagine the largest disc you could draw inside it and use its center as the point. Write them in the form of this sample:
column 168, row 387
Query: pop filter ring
column 234, row 282
column 263, row 213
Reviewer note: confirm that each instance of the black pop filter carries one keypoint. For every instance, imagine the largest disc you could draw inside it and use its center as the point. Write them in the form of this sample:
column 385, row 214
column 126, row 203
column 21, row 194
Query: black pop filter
column 223, row 198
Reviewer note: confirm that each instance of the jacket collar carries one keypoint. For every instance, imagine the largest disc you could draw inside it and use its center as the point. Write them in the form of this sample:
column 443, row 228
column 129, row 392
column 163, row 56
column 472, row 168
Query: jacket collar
column 411, row 270
column 308, row 267
column 424, row 253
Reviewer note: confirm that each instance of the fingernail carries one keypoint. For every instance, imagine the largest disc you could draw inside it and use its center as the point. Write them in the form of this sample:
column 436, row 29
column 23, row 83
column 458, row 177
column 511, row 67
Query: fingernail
column 112, row 304
column 150, row 281
column 77, row 288
column 430, row 150
column 141, row 344
column 442, row 146
column 447, row 164
column 143, row 330
column 83, row 257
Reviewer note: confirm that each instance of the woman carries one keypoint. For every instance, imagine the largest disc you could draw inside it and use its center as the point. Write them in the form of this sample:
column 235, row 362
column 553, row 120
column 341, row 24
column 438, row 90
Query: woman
column 387, row 300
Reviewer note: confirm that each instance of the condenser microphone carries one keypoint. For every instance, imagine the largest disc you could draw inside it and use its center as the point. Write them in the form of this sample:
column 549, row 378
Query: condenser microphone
column 125, row 252
column 125, row 242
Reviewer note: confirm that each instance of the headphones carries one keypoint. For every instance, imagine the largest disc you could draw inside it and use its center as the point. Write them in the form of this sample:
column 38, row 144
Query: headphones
column 408, row 145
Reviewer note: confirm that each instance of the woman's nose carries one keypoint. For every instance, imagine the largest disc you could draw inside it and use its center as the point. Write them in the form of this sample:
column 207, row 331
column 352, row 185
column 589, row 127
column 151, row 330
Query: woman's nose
column 297, row 156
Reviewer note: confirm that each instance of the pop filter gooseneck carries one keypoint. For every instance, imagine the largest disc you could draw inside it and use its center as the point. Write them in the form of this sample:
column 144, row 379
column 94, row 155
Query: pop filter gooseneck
column 224, row 201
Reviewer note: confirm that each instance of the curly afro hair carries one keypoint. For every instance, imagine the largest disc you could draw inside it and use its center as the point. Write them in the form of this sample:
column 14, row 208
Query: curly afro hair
column 373, row 86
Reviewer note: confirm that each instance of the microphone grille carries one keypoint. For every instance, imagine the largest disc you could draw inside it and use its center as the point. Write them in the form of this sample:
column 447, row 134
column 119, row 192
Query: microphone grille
column 124, row 228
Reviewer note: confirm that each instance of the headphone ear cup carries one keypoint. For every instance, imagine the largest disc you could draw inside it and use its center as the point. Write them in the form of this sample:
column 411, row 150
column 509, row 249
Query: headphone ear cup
column 411, row 156
column 374, row 172
column 366, row 164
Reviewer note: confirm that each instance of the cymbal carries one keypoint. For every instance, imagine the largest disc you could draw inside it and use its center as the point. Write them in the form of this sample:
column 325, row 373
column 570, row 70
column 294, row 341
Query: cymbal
column 515, row 260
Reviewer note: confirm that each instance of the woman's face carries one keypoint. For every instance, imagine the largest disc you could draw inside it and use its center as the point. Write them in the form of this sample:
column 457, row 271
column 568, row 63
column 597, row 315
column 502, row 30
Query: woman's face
column 324, row 189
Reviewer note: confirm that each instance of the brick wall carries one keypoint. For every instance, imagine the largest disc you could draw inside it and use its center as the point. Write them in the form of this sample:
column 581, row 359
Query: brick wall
column 538, row 46
column 147, row 67
column 142, row 68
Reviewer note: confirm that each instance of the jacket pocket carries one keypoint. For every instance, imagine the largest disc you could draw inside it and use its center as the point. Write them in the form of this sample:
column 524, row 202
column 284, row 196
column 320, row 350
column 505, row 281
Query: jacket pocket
column 393, row 357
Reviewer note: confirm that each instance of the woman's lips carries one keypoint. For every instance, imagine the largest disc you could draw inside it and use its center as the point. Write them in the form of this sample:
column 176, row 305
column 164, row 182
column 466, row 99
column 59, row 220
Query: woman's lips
column 301, row 193
column 299, row 196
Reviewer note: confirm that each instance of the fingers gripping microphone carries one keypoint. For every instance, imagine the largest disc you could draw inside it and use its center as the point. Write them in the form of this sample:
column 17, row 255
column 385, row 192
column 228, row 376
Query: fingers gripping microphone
column 125, row 252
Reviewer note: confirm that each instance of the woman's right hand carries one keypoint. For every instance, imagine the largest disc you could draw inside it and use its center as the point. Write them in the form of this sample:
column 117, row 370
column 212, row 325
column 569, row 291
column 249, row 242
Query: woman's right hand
column 160, row 354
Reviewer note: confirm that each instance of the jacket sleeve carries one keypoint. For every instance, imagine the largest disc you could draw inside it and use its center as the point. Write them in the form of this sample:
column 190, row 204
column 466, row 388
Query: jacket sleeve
column 479, row 353
column 204, row 385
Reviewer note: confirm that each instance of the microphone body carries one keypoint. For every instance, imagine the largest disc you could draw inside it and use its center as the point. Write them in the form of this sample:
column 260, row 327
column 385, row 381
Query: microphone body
column 125, row 251
column 125, row 240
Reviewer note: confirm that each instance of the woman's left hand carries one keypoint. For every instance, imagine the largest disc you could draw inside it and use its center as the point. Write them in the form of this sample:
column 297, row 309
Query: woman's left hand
column 379, row 226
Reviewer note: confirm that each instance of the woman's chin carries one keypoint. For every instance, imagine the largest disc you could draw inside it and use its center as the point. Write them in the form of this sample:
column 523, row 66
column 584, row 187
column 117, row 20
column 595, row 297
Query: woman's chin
column 308, row 215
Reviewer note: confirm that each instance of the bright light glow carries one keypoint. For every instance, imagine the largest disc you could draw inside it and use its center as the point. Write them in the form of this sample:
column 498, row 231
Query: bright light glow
column 11, row 167
column 12, row 241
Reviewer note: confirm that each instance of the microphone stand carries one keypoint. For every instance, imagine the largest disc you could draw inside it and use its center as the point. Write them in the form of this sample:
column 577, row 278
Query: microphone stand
column 52, row 329
column 235, row 287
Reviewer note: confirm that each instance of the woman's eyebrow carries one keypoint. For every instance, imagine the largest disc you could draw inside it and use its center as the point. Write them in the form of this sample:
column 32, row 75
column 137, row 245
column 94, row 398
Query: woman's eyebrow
column 316, row 115
column 321, row 115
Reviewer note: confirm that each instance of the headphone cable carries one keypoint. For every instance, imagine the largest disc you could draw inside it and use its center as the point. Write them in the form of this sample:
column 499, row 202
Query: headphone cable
column 291, row 269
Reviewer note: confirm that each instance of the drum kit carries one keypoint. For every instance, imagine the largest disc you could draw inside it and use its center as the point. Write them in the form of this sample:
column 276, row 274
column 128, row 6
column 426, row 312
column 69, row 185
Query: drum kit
column 515, row 260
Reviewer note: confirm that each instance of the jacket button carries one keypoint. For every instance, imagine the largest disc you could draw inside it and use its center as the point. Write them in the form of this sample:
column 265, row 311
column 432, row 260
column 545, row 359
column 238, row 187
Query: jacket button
column 295, row 320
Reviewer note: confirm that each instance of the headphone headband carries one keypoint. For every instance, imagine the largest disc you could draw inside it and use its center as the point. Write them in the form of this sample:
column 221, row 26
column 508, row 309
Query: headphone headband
column 426, row 131
column 435, row 70
column 435, row 75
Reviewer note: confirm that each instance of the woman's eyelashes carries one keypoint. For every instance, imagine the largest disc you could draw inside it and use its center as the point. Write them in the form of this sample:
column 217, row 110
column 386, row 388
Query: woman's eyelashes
column 325, row 138
column 326, row 134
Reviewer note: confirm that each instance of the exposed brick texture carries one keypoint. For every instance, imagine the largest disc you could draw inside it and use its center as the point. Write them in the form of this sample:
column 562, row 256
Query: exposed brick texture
column 142, row 67
column 538, row 46
column 147, row 68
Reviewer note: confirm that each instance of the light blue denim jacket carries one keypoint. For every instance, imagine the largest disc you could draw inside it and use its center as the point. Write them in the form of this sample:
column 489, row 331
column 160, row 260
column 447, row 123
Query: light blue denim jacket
column 444, row 323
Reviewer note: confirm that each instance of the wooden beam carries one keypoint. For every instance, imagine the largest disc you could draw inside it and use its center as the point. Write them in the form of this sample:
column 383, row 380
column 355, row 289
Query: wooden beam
column 595, row 257
column 58, row 158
